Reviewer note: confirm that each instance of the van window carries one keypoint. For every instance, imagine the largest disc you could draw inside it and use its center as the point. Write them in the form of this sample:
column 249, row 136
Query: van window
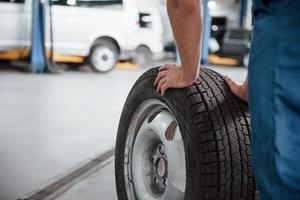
column 12, row 1
column 18, row 1
column 86, row 3
column 145, row 20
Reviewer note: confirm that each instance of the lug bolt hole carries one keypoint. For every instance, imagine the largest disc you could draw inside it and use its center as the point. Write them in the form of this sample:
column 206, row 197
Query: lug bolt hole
column 165, row 182
column 161, row 150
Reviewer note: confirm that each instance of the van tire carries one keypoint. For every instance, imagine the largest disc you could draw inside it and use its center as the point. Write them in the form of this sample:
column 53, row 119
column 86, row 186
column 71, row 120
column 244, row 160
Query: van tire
column 144, row 56
column 215, row 130
column 104, row 56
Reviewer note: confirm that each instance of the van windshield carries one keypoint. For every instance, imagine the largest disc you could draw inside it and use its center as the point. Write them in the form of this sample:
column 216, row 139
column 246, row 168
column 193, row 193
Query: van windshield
column 86, row 3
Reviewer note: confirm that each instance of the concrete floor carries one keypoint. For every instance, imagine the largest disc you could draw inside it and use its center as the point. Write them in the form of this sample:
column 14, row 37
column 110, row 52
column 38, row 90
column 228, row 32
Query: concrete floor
column 100, row 185
column 51, row 123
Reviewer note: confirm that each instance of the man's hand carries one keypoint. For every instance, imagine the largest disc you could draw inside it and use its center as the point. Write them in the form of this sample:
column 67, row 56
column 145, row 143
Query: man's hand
column 171, row 76
column 239, row 90
column 185, row 18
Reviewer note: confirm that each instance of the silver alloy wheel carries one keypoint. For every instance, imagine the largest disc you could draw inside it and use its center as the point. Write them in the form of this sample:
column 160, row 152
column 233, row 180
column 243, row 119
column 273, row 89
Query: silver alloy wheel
column 154, row 157
column 103, row 58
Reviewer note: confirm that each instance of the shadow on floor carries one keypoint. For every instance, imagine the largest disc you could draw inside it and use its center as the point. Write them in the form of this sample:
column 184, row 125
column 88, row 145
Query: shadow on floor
column 14, row 66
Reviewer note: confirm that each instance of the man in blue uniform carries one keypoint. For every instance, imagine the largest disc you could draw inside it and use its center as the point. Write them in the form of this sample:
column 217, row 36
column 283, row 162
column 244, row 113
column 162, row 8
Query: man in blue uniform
column 274, row 86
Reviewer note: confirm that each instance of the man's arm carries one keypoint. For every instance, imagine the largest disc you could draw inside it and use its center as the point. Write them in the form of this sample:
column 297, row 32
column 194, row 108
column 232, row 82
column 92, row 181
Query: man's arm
column 185, row 18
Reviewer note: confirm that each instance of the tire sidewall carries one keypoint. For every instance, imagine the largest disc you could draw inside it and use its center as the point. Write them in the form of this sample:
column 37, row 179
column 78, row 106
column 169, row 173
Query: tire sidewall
column 174, row 100
column 101, row 44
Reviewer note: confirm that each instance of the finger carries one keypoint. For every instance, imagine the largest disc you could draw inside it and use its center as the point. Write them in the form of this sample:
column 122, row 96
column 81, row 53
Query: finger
column 226, row 78
column 163, row 89
column 232, row 84
column 161, row 82
column 160, row 75
column 165, row 67
column 228, row 81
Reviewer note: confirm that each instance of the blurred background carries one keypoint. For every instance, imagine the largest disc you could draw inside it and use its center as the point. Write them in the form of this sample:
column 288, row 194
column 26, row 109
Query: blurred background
column 66, row 67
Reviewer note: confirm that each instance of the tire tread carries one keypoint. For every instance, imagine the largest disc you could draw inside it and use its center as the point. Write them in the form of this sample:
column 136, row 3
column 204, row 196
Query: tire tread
column 222, row 127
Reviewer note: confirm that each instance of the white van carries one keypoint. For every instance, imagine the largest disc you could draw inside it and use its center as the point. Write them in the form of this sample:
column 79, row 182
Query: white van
column 149, row 36
column 101, row 32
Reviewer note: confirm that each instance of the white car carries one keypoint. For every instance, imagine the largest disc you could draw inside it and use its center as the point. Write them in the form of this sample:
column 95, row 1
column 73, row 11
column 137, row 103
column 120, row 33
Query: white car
column 101, row 32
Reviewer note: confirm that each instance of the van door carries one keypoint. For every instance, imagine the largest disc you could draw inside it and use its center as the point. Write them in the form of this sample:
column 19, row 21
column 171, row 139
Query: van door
column 78, row 23
column 15, row 25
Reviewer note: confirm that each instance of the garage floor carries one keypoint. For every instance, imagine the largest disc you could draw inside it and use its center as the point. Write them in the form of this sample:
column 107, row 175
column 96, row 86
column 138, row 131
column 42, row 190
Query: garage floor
column 100, row 185
column 49, row 124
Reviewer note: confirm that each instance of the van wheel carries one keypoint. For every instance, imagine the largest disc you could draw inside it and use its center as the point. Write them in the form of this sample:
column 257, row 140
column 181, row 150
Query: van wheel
column 193, row 143
column 144, row 56
column 104, row 56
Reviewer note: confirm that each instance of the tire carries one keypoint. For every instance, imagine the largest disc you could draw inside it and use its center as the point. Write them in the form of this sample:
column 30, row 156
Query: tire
column 104, row 56
column 144, row 56
column 205, row 135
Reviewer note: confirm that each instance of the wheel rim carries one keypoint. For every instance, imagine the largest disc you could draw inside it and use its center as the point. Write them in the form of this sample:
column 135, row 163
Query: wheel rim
column 103, row 59
column 154, row 158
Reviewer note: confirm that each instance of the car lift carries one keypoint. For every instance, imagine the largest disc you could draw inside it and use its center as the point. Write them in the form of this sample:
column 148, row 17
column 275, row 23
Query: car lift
column 243, row 13
column 39, row 61
column 206, row 32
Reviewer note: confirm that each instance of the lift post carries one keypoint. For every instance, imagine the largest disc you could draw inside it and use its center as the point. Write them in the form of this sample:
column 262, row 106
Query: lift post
column 206, row 33
column 38, row 51
column 243, row 13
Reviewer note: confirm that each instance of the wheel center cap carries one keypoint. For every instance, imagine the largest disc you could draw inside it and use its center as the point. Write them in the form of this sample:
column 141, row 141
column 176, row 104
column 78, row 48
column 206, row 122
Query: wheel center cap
column 161, row 167
column 105, row 57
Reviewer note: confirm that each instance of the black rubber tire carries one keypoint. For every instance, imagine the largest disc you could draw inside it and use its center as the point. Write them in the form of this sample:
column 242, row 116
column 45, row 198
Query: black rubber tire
column 103, row 43
column 143, row 57
column 215, row 130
